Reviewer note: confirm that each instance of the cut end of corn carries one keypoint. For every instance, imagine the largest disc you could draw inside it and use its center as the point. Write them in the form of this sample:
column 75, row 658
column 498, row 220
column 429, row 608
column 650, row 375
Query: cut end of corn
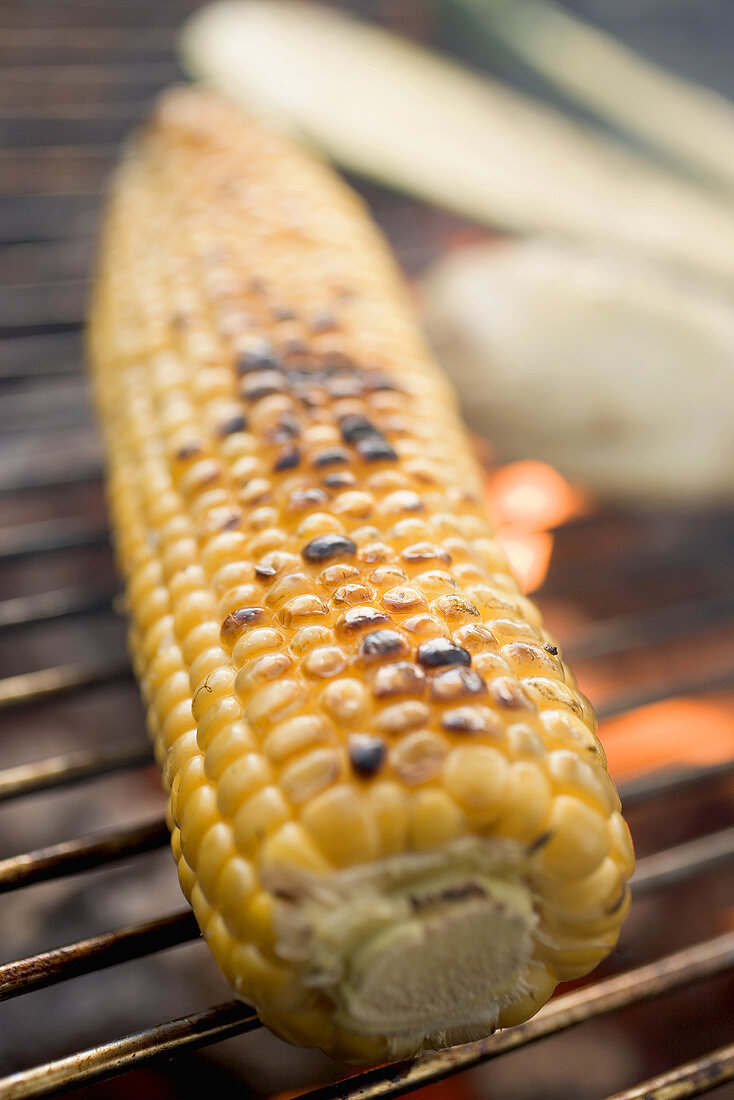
column 389, row 808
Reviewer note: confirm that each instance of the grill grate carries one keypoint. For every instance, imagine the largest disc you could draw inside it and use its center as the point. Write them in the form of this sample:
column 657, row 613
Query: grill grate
column 75, row 78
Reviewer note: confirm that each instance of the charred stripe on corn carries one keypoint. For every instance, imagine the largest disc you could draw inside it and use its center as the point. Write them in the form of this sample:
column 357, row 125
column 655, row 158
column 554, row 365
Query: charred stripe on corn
column 389, row 807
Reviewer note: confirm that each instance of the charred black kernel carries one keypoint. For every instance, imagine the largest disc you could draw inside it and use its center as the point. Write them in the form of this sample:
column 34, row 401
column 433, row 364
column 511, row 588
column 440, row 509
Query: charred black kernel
column 237, row 620
column 401, row 678
column 376, row 449
column 324, row 547
column 340, row 479
column 366, row 754
column 442, row 651
column 457, row 682
column 288, row 459
column 331, row 456
column 354, row 428
column 552, row 649
column 260, row 355
column 232, row 424
column 382, row 643
column 263, row 383
column 189, row 450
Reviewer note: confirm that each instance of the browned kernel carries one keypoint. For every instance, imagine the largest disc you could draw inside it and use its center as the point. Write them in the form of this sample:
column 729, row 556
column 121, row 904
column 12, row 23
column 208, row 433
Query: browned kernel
column 381, row 644
column 471, row 720
column 335, row 575
column 508, row 694
column 235, row 622
column 262, row 384
column 366, row 754
column 402, row 678
column 188, row 451
column 302, row 499
column 360, row 618
column 352, row 594
column 455, row 683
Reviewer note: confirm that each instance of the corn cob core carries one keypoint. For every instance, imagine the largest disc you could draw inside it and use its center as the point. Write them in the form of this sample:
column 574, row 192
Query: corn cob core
column 389, row 808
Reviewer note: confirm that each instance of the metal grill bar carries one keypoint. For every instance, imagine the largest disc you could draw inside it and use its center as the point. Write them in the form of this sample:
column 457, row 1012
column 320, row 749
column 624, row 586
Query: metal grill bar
column 653, row 980
column 26, row 358
column 46, row 536
column 674, row 865
column 645, row 697
column 82, row 854
column 95, row 953
column 62, row 603
column 671, row 781
column 111, row 1059
column 691, row 1079
column 72, row 767
column 34, row 687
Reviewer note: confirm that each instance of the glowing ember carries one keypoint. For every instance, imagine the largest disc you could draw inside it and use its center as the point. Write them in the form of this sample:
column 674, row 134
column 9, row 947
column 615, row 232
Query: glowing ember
column 677, row 731
column 533, row 496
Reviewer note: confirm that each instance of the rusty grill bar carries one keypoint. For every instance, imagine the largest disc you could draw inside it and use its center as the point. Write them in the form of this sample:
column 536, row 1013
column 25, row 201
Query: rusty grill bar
column 75, row 78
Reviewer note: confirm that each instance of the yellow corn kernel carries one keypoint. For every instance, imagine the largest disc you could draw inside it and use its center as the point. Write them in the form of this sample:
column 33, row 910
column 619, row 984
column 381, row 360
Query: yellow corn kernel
column 369, row 740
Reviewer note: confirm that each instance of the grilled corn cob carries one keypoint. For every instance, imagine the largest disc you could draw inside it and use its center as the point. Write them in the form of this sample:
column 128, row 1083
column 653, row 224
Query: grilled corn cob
column 388, row 805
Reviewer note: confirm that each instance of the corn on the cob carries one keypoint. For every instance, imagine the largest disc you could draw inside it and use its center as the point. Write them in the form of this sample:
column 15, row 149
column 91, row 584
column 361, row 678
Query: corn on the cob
column 388, row 805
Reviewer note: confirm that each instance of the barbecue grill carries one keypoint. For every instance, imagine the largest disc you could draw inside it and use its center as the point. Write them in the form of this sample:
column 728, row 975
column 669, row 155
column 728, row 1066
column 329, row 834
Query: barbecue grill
column 643, row 600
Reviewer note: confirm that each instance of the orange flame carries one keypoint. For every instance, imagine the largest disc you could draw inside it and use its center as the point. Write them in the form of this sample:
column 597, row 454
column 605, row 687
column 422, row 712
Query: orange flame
column 676, row 731
column 525, row 499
